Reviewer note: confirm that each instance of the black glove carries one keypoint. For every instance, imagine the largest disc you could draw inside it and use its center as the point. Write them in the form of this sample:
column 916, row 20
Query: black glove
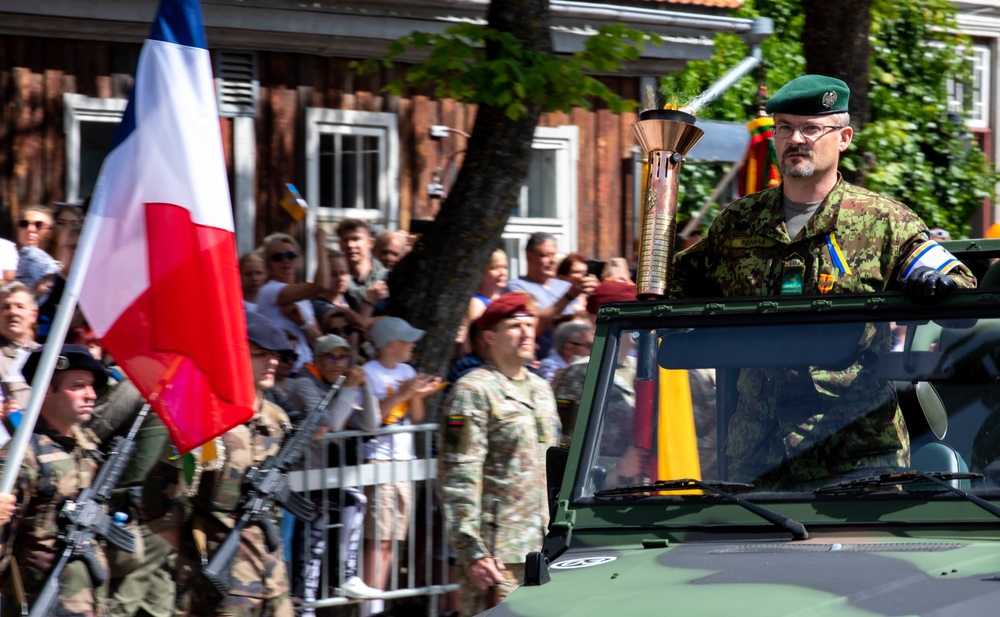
column 927, row 286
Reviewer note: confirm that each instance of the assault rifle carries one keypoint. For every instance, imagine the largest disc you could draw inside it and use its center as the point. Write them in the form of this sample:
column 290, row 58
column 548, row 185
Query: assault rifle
column 263, row 487
column 85, row 519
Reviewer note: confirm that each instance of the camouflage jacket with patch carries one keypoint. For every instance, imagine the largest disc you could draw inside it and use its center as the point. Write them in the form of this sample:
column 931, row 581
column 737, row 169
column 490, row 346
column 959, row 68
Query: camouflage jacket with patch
column 493, row 443
column 747, row 247
column 256, row 571
column 55, row 469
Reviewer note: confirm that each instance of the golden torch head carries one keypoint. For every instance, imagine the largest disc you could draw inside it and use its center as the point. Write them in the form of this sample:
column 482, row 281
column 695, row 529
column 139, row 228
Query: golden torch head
column 666, row 136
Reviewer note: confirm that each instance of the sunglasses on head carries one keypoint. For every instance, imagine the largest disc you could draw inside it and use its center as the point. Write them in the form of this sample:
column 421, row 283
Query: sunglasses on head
column 286, row 256
column 342, row 331
column 24, row 224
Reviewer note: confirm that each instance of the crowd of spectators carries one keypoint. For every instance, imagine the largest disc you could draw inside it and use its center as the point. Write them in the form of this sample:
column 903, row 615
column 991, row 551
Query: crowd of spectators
column 337, row 324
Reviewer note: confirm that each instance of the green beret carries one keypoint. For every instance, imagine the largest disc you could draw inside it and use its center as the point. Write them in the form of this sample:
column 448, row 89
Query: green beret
column 810, row 95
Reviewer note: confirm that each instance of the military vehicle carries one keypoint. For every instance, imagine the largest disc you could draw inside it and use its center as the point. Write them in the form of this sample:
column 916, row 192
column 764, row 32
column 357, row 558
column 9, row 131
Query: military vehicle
column 863, row 479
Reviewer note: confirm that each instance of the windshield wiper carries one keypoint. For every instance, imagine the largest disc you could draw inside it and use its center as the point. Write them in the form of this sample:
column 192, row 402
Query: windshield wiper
column 797, row 529
column 940, row 478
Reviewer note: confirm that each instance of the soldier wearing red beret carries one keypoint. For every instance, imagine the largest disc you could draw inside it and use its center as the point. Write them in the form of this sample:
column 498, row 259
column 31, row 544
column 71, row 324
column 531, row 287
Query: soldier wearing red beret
column 496, row 414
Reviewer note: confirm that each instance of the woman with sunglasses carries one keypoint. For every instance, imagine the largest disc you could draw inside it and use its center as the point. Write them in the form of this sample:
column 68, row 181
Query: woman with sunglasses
column 287, row 302
column 355, row 407
column 34, row 227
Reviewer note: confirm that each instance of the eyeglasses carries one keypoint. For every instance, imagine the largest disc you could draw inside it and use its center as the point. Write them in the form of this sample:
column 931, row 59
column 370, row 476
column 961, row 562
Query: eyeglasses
column 342, row 331
column 329, row 357
column 38, row 225
column 286, row 256
column 812, row 132
column 584, row 345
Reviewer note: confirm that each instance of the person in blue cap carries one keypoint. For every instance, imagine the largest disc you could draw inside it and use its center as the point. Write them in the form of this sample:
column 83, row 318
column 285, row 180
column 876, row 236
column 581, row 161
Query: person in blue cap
column 816, row 234
column 260, row 584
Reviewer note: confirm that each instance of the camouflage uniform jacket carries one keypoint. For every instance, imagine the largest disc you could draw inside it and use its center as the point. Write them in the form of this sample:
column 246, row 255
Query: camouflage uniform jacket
column 493, row 445
column 746, row 247
column 72, row 464
column 857, row 241
column 256, row 571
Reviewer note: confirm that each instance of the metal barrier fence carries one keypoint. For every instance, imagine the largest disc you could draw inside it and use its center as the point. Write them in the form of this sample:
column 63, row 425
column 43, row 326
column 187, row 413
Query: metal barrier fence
column 419, row 563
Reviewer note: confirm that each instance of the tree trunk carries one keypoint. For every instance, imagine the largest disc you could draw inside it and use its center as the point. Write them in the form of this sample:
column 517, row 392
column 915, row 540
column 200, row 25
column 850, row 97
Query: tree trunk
column 432, row 286
column 835, row 43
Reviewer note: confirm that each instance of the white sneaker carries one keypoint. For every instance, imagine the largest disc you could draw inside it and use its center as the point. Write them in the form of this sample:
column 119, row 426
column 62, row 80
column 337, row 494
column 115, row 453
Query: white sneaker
column 354, row 587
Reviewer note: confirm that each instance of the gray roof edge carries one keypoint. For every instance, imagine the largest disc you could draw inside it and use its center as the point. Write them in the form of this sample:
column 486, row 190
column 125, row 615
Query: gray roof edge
column 274, row 15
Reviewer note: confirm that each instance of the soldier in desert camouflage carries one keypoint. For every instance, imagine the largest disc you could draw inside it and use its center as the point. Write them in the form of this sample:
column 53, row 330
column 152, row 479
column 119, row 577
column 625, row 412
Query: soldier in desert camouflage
column 61, row 461
column 259, row 576
column 497, row 425
column 816, row 234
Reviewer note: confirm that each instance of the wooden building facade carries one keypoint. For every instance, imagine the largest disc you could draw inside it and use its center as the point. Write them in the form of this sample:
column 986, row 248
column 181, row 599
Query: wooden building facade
column 294, row 111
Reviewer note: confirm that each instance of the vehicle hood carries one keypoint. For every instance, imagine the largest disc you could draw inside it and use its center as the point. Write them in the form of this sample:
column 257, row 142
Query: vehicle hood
column 774, row 579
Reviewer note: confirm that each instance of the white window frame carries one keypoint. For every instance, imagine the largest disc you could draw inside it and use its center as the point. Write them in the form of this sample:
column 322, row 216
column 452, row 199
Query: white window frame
column 979, row 82
column 982, row 58
column 565, row 141
column 321, row 121
column 77, row 109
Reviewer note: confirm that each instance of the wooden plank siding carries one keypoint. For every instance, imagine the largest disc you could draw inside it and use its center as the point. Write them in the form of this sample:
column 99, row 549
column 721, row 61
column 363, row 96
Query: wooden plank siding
column 35, row 73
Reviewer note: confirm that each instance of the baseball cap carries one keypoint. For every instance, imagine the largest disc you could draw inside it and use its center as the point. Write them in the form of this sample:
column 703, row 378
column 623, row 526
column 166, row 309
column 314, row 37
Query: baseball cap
column 327, row 343
column 389, row 329
column 265, row 333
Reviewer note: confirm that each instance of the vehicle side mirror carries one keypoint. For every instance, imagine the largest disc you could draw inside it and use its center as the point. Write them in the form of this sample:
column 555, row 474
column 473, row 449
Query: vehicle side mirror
column 536, row 569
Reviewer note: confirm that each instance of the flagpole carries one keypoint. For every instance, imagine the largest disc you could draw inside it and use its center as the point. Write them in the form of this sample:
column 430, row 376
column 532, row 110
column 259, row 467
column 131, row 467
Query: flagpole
column 50, row 352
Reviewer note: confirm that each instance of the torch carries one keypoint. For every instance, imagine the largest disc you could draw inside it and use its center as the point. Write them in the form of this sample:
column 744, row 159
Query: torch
column 666, row 135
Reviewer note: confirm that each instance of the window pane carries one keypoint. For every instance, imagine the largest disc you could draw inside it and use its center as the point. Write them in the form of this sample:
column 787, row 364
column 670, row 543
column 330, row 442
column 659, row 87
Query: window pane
column 349, row 172
column 541, row 185
column 327, row 170
column 371, row 171
column 95, row 142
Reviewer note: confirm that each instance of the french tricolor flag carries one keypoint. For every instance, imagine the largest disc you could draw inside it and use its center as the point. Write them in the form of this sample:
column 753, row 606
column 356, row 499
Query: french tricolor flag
column 160, row 284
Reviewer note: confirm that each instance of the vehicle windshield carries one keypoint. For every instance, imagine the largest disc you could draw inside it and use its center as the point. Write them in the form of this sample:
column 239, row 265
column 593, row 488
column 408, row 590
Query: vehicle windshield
column 796, row 407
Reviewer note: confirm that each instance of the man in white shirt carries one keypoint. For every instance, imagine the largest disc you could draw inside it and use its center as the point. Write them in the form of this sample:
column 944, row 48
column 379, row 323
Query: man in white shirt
column 555, row 297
